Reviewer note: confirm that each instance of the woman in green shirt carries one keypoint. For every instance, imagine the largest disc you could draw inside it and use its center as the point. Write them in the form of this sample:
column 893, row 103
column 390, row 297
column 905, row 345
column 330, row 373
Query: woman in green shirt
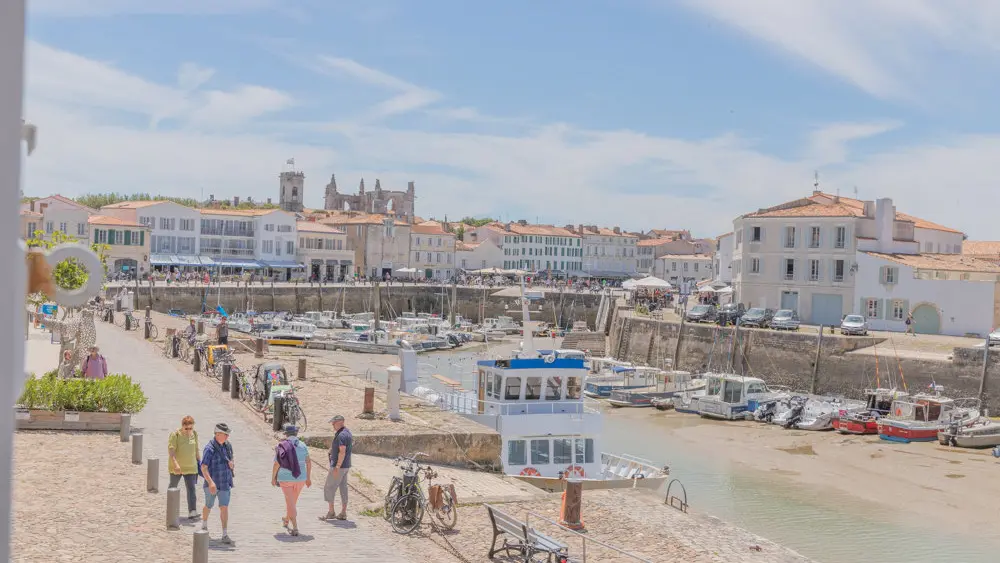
column 185, row 461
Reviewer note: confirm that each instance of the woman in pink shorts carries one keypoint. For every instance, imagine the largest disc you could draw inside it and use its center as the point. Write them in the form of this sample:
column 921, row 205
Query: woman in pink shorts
column 292, row 471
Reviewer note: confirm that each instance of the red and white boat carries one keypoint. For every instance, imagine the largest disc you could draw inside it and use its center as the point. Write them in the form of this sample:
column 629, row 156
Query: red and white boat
column 919, row 418
column 864, row 420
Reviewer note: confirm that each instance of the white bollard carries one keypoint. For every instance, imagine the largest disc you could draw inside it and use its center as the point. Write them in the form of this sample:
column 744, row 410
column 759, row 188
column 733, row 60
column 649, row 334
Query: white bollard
column 392, row 401
column 137, row 449
column 173, row 508
column 200, row 552
column 152, row 475
column 126, row 427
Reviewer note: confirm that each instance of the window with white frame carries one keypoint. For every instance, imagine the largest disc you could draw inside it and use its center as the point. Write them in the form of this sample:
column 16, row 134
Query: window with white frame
column 840, row 240
column 838, row 270
column 898, row 309
column 789, row 268
column 789, row 237
column 889, row 275
column 49, row 227
column 62, row 227
column 81, row 229
column 814, row 237
column 814, row 270
column 755, row 265
column 873, row 308
column 756, row 234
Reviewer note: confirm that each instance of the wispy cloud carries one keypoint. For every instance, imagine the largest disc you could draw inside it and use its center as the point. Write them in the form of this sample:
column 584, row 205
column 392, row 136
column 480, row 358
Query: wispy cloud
column 407, row 97
column 829, row 143
column 884, row 47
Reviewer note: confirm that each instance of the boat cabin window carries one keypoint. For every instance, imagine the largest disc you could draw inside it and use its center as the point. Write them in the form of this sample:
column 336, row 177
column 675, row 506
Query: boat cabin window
column 573, row 388
column 756, row 388
column 533, row 390
column 562, row 451
column 517, row 454
column 539, row 452
column 933, row 411
column 732, row 392
column 490, row 385
column 553, row 388
column 513, row 392
column 585, row 450
column 714, row 386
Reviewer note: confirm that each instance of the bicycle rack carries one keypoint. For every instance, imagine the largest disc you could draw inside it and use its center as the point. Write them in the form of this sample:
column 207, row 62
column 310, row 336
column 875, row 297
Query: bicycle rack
column 675, row 501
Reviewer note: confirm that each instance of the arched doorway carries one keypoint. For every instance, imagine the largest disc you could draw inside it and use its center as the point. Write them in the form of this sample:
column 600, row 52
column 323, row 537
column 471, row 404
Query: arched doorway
column 127, row 265
column 926, row 319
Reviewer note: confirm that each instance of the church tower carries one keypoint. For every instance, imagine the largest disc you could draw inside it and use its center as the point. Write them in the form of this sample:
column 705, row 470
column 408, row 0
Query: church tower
column 293, row 184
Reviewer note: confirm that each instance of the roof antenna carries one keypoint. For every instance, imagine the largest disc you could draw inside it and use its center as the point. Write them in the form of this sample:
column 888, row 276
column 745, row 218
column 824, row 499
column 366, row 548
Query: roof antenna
column 855, row 192
column 816, row 182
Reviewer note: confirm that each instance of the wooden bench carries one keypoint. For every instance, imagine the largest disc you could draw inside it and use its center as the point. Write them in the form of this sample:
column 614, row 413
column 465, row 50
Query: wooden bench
column 524, row 540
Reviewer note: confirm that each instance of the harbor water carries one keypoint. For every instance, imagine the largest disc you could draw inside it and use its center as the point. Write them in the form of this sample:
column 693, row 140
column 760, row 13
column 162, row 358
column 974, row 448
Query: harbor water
column 827, row 525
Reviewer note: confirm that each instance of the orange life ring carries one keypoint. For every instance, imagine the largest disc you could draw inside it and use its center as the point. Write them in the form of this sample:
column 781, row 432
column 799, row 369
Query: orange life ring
column 574, row 471
column 899, row 411
column 530, row 472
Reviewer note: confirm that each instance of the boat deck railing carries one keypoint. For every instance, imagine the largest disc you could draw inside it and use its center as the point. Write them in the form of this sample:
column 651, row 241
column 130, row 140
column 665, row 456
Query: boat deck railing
column 464, row 403
column 626, row 466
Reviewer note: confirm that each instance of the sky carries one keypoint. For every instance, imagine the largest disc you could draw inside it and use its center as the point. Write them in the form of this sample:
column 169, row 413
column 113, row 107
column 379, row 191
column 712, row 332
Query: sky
column 633, row 113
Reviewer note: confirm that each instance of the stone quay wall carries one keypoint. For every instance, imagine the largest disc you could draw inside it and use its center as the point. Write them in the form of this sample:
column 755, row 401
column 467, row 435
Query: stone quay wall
column 395, row 299
column 788, row 358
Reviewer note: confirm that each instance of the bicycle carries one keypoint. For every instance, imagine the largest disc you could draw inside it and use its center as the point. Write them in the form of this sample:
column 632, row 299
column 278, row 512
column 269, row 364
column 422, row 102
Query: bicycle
column 408, row 510
column 153, row 332
column 127, row 319
column 291, row 411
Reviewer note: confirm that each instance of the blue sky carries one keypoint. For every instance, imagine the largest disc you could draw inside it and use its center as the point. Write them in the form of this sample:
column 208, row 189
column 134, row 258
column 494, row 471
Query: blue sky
column 639, row 113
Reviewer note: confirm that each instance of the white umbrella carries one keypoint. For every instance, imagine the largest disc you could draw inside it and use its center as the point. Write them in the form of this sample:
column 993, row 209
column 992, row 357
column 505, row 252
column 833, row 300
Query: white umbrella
column 651, row 282
column 706, row 289
column 725, row 290
column 629, row 284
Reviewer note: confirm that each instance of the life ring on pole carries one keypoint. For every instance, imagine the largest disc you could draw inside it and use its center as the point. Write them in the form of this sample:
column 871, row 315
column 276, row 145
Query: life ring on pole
column 550, row 358
column 530, row 472
column 574, row 471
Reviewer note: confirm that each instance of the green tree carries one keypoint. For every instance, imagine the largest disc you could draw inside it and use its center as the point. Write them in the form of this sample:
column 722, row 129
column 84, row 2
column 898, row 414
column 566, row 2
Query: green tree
column 473, row 222
column 460, row 232
column 68, row 274
column 97, row 201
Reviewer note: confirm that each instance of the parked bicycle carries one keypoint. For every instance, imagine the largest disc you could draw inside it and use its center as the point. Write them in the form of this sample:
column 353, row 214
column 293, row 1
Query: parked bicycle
column 127, row 319
column 153, row 331
column 291, row 411
column 409, row 506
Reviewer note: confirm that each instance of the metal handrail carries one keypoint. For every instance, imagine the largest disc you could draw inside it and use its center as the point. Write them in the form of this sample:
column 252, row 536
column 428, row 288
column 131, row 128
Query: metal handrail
column 583, row 538
column 462, row 402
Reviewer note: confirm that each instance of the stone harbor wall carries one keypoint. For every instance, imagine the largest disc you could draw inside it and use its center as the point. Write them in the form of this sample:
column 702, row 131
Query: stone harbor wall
column 788, row 358
column 395, row 299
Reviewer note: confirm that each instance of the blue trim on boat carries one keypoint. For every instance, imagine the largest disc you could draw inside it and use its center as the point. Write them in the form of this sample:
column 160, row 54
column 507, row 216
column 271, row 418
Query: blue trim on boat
column 537, row 363
column 905, row 440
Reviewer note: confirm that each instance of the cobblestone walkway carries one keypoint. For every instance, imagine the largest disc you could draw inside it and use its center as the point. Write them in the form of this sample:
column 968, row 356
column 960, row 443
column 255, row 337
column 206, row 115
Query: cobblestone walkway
column 257, row 507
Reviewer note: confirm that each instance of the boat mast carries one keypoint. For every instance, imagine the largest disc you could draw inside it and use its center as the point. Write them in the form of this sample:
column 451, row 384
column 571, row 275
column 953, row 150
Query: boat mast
column 875, row 347
column 527, row 327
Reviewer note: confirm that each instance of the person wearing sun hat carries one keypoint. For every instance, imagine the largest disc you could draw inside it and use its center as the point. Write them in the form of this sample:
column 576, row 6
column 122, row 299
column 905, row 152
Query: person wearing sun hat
column 217, row 468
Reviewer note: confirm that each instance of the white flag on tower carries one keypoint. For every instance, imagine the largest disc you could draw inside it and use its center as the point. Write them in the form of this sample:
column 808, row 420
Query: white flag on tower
column 290, row 161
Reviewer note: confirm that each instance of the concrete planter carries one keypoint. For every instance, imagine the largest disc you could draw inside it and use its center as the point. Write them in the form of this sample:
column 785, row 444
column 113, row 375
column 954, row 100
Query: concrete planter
column 67, row 420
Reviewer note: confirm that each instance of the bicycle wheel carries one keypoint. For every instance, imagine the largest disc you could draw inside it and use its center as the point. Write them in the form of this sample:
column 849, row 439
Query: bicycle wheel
column 407, row 512
column 447, row 514
column 391, row 496
column 153, row 333
column 120, row 321
column 300, row 415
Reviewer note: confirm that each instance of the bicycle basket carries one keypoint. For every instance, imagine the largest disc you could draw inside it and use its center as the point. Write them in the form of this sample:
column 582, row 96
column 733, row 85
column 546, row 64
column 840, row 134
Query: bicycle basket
column 434, row 496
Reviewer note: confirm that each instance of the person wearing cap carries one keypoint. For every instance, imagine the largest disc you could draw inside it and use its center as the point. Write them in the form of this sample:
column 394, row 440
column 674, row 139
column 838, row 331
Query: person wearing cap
column 217, row 467
column 289, row 456
column 340, row 465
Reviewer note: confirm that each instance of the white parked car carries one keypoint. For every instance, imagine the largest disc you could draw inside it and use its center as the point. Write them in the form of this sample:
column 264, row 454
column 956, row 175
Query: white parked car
column 854, row 324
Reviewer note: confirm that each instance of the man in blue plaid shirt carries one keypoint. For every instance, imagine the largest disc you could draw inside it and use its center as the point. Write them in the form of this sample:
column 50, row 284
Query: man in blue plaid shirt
column 217, row 467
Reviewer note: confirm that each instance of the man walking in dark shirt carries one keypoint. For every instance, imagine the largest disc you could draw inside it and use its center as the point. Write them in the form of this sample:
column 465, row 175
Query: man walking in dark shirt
column 340, row 465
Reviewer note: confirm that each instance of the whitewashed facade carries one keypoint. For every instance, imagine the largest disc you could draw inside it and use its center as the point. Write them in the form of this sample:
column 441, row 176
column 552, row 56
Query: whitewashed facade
column 432, row 251
column 608, row 252
column 174, row 230
column 723, row 260
column 478, row 255
column 324, row 251
column 680, row 269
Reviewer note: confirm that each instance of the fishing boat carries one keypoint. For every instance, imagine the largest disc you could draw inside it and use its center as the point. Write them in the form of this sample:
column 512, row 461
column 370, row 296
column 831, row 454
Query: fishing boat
column 534, row 399
column 729, row 396
column 318, row 318
column 672, row 383
column 289, row 333
column 984, row 433
column 621, row 378
column 864, row 420
column 920, row 418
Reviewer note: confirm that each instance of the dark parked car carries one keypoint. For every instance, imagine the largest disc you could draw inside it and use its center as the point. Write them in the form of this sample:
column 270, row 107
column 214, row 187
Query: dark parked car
column 785, row 319
column 702, row 314
column 758, row 317
column 730, row 313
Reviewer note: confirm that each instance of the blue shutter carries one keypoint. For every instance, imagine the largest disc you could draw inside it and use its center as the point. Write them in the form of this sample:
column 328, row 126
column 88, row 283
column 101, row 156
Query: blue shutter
column 111, row 236
column 142, row 238
column 128, row 238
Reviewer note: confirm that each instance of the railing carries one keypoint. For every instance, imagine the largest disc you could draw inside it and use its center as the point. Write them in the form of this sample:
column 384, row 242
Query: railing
column 789, row 276
column 466, row 404
column 583, row 538
column 839, row 278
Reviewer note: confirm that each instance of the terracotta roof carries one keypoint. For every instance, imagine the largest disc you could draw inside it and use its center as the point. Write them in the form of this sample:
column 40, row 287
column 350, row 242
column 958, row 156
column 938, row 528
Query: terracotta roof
column 64, row 199
column 429, row 228
column 112, row 221
column 314, row 227
column 669, row 233
column 605, row 232
column 133, row 204
column 656, row 242
column 543, row 230
column 686, row 257
column 238, row 212
column 827, row 205
column 466, row 246
column 358, row 219
column 29, row 213
column 981, row 248
column 948, row 262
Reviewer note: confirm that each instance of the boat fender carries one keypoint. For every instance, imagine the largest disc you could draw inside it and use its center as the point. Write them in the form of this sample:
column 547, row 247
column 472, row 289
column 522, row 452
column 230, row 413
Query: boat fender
column 530, row 472
column 550, row 358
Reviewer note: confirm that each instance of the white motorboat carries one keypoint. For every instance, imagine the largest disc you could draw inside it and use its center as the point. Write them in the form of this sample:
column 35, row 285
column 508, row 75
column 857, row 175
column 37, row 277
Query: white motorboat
column 289, row 331
column 317, row 318
column 984, row 433
column 729, row 396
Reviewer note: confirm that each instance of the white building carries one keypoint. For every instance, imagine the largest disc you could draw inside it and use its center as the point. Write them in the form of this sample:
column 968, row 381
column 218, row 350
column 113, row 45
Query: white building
column 608, row 253
column 801, row 255
column 679, row 269
column 61, row 214
column 262, row 240
column 432, row 251
column 536, row 248
column 128, row 244
column 173, row 231
column 473, row 255
column 724, row 258
column 324, row 251
column 649, row 250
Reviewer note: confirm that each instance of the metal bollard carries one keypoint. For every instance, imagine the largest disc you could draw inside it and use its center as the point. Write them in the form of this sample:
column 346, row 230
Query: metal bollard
column 137, row 449
column 302, row 369
column 200, row 552
column 201, row 327
column 277, row 419
column 258, row 348
column 145, row 330
column 227, row 371
column 126, row 427
column 152, row 475
column 128, row 322
column 234, row 388
column 173, row 508
column 196, row 363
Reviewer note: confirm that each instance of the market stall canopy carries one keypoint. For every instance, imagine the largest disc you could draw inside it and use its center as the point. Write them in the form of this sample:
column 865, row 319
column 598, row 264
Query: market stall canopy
column 706, row 289
column 725, row 290
column 487, row 271
column 406, row 271
column 648, row 282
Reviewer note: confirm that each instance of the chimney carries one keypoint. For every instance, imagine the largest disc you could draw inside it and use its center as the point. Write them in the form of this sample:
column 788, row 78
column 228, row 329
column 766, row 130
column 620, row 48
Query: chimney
column 617, row 230
column 473, row 236
column 32, row 204
column 869, row 209
column 885, row 221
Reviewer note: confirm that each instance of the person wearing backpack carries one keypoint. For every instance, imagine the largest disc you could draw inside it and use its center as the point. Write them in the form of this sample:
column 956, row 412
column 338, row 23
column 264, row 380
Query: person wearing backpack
column 292, row 471
column 909, row 325
column 217, row 467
